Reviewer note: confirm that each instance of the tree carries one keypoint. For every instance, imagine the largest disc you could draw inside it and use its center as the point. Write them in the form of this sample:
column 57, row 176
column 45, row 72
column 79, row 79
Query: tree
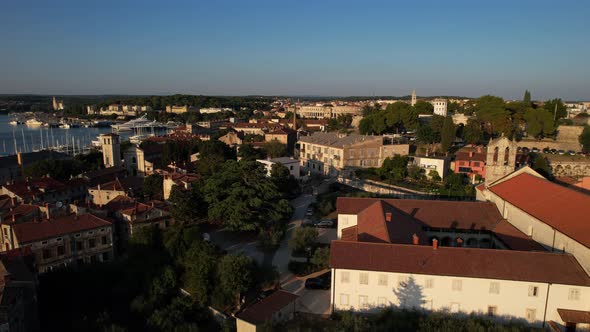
column 212, row 154
column 436, row 123
column 556, row 107
column 454, row 181
column 447, row 135
column 423, row 107
column 250, row 153
column 275, row 149
column 321, row 258
column 539, row 122
column 199, row 271
column 491, row 111
column 234, row 275
column 285, row 182
column 187, row 206
column 303, row 238
column 434, row 176
column 585, row 139
column 415, row 172
column 426, row 135
column 527, row 97
column 395, row 168
column 242, row 197
column 472, row 132
column 153, row 185
column 540, row 164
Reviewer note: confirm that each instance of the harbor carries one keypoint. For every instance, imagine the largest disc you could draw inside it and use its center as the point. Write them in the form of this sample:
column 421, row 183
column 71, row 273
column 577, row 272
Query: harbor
column 27, row 133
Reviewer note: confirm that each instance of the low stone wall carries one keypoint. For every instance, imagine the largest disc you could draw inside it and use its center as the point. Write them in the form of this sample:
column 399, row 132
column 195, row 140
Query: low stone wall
column 385, row 189
column 551, row 144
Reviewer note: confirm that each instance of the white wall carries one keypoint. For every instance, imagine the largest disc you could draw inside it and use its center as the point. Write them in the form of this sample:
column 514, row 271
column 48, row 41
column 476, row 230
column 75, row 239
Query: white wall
column 345, row 221
column 512, row 300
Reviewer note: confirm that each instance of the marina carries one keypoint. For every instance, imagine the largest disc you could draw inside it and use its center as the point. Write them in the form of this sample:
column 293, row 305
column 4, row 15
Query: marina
column 34, row 134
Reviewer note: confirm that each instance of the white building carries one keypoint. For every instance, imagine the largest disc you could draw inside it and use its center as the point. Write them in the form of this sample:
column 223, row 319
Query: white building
column 290, row 163
column 213, row 110
column 429, row 164
column 440, row 106
column 396, row 252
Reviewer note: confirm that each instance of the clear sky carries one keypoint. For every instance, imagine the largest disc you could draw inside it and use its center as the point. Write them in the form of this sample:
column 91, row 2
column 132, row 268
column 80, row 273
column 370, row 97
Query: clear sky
column 298, row 47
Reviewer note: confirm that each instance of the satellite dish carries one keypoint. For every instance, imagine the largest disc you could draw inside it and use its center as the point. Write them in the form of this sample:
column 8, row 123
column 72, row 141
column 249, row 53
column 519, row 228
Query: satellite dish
column 59, row 204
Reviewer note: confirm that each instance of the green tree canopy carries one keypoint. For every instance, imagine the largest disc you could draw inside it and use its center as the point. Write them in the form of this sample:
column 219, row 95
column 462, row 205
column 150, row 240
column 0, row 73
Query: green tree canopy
column 303, row 238
column 472, row 132
column 448, row 134
column 424, row 107
column 275, row 149
column 527, row 97
column 539, row 122
column 234, row 275
column 585, row 139
column 556, row 107
column 242, row 197
column 250, row 153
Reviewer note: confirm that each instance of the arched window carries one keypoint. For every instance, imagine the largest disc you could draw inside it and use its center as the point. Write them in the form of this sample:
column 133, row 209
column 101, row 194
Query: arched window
column 506, row 155
column 495, row 154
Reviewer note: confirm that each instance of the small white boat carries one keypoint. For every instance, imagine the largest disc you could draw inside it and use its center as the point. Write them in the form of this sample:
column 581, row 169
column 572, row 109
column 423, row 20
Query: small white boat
column 34, row 122
column 65, row 126
column 15, row 122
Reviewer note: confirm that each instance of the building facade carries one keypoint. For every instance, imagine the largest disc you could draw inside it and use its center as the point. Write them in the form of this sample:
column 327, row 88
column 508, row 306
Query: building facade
column 330, row 153
column 111, row 150
column 440, row 106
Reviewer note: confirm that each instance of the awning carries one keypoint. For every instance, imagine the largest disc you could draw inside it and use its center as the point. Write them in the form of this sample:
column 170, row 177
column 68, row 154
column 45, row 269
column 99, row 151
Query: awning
column 574, row 316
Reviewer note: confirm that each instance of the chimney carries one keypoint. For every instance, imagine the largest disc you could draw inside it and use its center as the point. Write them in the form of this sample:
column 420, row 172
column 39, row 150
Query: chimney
column 12, row 201
column 434, row 244
column 388, row 216
column 47, row 208
column 415, row 239
column 479, row 149
column 459, row 242
column 470, row 154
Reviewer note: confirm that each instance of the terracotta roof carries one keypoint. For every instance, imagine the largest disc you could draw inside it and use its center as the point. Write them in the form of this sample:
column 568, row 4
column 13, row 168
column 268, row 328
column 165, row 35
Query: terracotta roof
column 435, row 214
column 563, row 209
column 514, row 238
column 350, row 233
column 120, row 202
column 35, row 231
column 374, row 227
column 263, row 310
column 34, row 187
column 530, row 266
column 464, row 156
column 574, row 316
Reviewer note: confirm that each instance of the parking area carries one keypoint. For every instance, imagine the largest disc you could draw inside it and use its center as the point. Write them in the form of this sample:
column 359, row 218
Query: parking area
column 313, row 301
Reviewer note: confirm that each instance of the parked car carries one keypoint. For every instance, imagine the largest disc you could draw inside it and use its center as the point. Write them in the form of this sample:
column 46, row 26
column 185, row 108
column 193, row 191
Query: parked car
column 309, row 212
column 317, row 283
column 561, row 152
column 325, row 223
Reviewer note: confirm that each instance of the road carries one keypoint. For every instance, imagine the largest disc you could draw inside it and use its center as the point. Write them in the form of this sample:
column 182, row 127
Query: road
column 312, row 301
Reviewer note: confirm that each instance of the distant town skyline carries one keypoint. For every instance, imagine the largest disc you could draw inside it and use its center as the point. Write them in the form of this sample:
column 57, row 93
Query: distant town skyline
column 296, row 49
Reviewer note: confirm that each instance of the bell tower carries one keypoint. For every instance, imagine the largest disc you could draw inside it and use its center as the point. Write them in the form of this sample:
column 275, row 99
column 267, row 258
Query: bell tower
column 111, row 150
column 500, row 159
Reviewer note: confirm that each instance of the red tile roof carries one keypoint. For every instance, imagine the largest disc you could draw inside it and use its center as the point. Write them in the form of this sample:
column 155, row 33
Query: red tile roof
column 263, row 311
column 574, row 316
column 435, row 214
column 532, row 266
column 563, row 209
column 374, row 227
column 35, row 231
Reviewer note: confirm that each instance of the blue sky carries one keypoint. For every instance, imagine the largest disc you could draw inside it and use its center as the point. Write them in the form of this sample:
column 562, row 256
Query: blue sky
column 298, row 47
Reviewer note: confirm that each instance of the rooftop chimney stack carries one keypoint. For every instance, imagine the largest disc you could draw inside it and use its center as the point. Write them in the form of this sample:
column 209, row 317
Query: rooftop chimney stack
column 415, row 239
column 434, row 244
column 388, row 216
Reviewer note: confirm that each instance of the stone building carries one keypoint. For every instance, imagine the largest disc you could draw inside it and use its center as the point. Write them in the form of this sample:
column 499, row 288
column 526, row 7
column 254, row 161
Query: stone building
column 500, row 159
column 331, row 153
column 111, row 150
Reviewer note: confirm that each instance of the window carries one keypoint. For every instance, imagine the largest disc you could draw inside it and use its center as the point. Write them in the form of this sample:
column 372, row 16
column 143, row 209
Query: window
column 79, row 245
column 5, row 231
column 457, row 285
column 91, row 243
column 530, row 314
column 105, row 256
column 345, row 277
column 46, row 253
column 78, row 235
column 91, row 232
column 382, row 281
column 343, row 299
column 364, row 278
column 492, row 310
column 44, row 242
column 494, row 287
column 61, row 250
column 104, row 240
column 382, row 301
column 533, row 291
column 574, row 294
column 363, row 301
column 59, row 239
column 429, row 283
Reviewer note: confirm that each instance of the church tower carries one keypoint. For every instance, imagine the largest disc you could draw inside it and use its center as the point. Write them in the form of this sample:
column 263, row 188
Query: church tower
column 500, row 159
column 413, row 103
column 111, row 150
column 54, row 104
